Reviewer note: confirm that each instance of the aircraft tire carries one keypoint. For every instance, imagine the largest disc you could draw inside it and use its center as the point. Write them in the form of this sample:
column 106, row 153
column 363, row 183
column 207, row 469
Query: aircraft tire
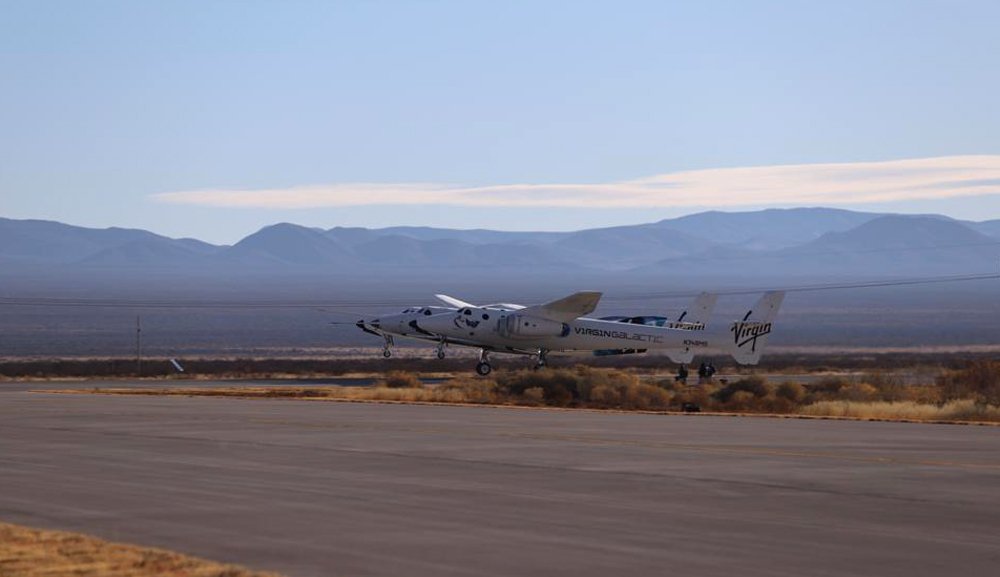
column 440, row 355
column 483, row 369
column 387, row 353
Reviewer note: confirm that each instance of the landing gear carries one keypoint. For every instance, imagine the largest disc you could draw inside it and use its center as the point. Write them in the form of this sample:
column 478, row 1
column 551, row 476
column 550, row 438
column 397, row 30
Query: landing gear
column 542, row 360
column 483, row 368
column 387, row 347
column 682, row 374
column 440, row 350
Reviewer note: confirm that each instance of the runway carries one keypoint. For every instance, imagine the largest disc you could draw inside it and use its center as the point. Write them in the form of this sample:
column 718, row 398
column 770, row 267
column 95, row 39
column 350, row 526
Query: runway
column 325, row 488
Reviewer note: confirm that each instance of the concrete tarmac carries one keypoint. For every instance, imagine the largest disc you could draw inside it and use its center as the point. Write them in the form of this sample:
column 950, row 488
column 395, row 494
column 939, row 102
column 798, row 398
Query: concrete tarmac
column 312, row 488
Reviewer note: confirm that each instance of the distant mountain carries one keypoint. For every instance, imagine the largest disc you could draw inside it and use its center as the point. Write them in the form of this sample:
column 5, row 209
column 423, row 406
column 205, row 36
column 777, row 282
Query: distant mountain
column 988, row 227
column 43, row 241
column 289, row 244
column 624, row 247
column 807, row 241
column 767, row 229
column 884, row 246
column 155, row 252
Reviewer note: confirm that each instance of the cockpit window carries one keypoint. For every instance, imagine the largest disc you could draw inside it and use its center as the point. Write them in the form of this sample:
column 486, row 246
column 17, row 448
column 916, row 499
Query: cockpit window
column 467, row 312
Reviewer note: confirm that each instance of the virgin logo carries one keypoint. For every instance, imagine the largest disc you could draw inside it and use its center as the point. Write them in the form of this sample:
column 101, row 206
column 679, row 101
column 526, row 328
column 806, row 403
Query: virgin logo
column 747, row 332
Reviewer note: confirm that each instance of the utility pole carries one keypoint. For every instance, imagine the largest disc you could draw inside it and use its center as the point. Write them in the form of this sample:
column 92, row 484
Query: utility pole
column 138, row 345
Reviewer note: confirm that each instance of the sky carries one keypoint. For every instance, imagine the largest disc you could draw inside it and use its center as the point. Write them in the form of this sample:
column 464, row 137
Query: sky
column 213, row 119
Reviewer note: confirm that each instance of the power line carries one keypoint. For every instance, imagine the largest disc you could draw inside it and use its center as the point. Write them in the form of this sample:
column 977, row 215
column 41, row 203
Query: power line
column 820, row 287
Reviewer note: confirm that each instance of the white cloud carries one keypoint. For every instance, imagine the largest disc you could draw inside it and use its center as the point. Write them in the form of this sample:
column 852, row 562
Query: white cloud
column 786, row 185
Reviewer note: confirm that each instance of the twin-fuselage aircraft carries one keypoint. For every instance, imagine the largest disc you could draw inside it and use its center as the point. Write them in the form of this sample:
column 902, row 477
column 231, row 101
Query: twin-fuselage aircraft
column 562, row 326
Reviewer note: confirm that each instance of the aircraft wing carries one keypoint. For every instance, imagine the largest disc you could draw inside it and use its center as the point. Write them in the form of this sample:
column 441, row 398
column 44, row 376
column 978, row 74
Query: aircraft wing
column 568, row 308
column 453, row 302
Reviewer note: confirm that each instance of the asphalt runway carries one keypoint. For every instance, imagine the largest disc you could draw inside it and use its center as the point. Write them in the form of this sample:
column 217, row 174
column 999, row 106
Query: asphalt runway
column 324, row 488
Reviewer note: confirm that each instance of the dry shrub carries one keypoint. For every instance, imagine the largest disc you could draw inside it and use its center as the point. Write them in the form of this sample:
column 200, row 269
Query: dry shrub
column 979, row 381
column 827, row 388
column 533, row 396
column 589, row 386
column 589, row 378
column 700, row 396
column 963, row 410
column 401, row 380
column 559, row 386
column 754, row 385
column 858, row 392
column 473, row 390
column 635, row 396
column 741, row 401
column 671, row 384
column 791, row 392
column 890, row 387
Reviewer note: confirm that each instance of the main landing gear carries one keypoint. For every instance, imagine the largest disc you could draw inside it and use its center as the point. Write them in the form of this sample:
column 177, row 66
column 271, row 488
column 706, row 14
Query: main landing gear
column 440, row 350
column 542, row 360
column 484, row 367
column 387, row 347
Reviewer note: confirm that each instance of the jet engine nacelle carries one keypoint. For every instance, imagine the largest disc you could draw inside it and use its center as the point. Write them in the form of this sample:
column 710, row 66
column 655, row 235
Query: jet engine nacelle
column 525, row 326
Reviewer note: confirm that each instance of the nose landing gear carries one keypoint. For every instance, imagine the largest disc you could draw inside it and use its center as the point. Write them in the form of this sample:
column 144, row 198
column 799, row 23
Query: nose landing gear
column 483, row 368
column 387, row 347
column 440, row 350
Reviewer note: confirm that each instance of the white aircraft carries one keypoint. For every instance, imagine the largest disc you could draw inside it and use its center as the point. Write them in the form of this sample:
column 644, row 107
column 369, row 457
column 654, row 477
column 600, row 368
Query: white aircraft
column 561, row 325
column 405, row 324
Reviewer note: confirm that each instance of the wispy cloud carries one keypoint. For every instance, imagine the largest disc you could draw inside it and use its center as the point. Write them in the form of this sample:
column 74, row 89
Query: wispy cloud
column 800, row 184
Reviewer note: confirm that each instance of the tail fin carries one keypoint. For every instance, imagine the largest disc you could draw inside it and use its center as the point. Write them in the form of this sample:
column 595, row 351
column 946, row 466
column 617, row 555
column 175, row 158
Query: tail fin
column 696, row 315
column 750, row 334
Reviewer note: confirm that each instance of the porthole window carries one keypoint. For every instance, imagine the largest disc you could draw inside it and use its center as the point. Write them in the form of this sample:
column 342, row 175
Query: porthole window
column 486, row 317
column 427, row 312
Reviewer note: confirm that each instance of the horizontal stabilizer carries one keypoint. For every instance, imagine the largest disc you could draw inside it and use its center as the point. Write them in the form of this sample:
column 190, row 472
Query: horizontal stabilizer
column 567, row 308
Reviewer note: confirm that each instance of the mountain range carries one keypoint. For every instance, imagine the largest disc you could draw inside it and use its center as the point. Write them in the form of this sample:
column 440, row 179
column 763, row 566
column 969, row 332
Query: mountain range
column 803, row 241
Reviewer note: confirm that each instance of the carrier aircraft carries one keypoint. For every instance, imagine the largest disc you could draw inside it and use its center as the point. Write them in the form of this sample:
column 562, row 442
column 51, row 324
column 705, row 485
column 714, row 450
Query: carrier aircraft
column 563, row 326
column 404, row 324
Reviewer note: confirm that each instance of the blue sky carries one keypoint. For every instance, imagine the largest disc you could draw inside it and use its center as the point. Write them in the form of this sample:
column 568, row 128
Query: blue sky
column 503, row 115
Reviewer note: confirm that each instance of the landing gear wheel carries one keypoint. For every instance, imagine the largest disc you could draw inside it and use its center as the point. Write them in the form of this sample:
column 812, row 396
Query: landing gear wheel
column 483, row 369
column 387, row 353
column 440, row 354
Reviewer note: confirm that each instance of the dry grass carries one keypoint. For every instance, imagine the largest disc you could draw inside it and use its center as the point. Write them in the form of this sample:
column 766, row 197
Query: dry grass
column 955, row 411
column 28, row 552
column 440, row 394
column 870, row 396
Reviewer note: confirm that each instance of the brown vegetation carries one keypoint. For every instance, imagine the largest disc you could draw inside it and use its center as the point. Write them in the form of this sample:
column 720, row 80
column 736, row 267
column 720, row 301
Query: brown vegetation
column 979, row 381
column 28, row 552
column 271, row 367
column 968, row 394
